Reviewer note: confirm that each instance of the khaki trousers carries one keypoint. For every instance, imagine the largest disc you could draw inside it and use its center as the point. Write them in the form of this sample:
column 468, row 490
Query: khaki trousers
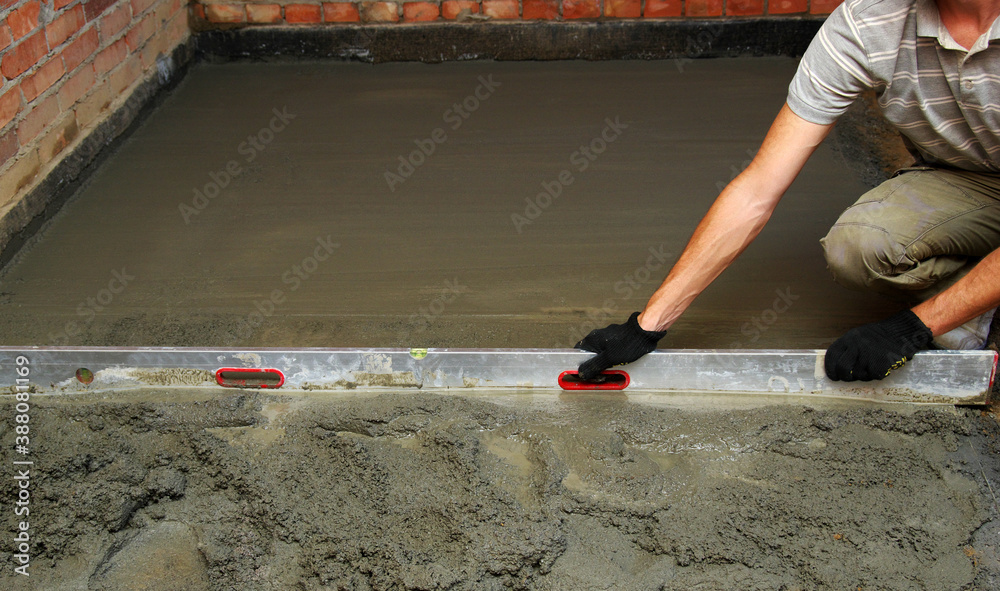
column 917, row 233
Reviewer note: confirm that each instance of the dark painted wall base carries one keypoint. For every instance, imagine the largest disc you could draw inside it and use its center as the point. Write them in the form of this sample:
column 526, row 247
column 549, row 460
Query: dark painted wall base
column 515, row 41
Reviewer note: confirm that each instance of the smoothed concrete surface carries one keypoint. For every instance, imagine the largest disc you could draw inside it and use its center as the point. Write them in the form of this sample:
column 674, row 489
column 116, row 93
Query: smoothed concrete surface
column 438, row 259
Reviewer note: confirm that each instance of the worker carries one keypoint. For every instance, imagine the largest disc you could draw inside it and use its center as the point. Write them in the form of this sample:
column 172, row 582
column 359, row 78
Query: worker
column 930, row 234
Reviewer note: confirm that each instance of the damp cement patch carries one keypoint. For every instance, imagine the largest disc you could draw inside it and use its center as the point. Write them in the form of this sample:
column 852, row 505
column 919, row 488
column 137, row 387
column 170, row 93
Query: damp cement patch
column 251, row 490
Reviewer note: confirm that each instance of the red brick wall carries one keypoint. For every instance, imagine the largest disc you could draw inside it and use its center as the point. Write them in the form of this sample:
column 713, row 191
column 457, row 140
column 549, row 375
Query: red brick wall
column 260, row 12
column 64, row 64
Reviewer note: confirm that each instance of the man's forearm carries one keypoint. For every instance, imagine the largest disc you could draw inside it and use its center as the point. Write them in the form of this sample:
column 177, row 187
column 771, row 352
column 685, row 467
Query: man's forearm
column 736, row 217
column 972, row 295
column 733, row 221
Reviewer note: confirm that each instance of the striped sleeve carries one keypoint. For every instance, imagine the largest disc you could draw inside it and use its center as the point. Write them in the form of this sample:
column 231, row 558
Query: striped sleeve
column 833, row 71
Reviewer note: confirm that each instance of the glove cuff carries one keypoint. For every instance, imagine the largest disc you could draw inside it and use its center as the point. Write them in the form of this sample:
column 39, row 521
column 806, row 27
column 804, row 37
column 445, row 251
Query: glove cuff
column 651, row 336
column 909, row 326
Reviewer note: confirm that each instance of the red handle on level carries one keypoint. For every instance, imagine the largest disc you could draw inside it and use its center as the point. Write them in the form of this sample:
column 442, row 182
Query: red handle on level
column 249, row 377
column 611, row 379
column 993, row 373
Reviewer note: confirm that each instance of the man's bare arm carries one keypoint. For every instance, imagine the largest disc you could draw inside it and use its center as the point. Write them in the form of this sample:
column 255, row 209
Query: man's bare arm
column 976, row 293
column 733, row 221
column 736, row 217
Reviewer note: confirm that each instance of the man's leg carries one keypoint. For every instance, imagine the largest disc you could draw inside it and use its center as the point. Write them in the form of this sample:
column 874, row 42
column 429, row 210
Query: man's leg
column 915, row 235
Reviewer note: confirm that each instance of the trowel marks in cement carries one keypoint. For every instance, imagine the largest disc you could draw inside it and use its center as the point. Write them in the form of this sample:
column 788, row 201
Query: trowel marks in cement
column 202, row 490
column 267, row 219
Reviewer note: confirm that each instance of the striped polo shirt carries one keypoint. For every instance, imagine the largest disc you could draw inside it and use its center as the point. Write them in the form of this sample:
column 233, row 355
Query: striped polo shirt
column 944, row 99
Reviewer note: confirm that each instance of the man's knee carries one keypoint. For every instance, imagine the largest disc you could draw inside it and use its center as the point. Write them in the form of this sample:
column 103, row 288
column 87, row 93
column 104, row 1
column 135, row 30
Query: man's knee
column 859, row 256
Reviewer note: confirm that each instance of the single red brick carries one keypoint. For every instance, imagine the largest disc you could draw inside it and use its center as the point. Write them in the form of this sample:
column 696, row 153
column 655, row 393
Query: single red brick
column 156, row 46
column 379, row 12
column 37, row 119
column 24, row 55
column 93, row 105
column 450, row 9
column 263, row 13
column 787, row 6
column 115, row 22
column 126, row 75
column 663, row 8
column 24, row 20
column 420, row 11
column 303, row 13
column 80, row 49
column 199, row 11
column 76, row 86
column 823, row 6
column 42, row 79
column 573, row 9
column 5, row 37
column 540, row 9
column 65, row 26
column 704, row 8
column 140, row 6
column 744, row 7
column 164, row 11
column 8, row 146
column 10, row 105
column 502, row 9
column 59, row 135
column 623, row 8
column 60, row 4
column 177, row 29
column 341, row 12
column 225, row 13
column 110, row 57
column 94, row 8
column 140, row 32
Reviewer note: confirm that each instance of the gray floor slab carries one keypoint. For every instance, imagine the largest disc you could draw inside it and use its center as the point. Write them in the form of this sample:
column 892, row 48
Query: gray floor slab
column 308, row 242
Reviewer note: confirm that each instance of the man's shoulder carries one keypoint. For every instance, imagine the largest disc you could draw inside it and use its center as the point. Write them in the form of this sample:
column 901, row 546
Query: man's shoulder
column 878, row 25
column 867, row 10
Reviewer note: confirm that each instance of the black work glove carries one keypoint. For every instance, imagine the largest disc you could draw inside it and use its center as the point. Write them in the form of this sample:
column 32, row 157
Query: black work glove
column 872, row 351
column 615, row 345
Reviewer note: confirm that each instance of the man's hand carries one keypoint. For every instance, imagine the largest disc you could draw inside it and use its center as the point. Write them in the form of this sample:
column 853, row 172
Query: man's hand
column 615, row 345
column 872, row 351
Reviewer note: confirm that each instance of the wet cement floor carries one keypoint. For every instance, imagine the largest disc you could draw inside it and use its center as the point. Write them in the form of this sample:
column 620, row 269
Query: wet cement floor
column 167, row 489
column 473, row 204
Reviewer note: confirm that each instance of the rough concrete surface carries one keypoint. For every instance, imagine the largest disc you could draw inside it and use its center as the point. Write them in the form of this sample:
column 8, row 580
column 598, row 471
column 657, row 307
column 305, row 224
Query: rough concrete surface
column 184, row 489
